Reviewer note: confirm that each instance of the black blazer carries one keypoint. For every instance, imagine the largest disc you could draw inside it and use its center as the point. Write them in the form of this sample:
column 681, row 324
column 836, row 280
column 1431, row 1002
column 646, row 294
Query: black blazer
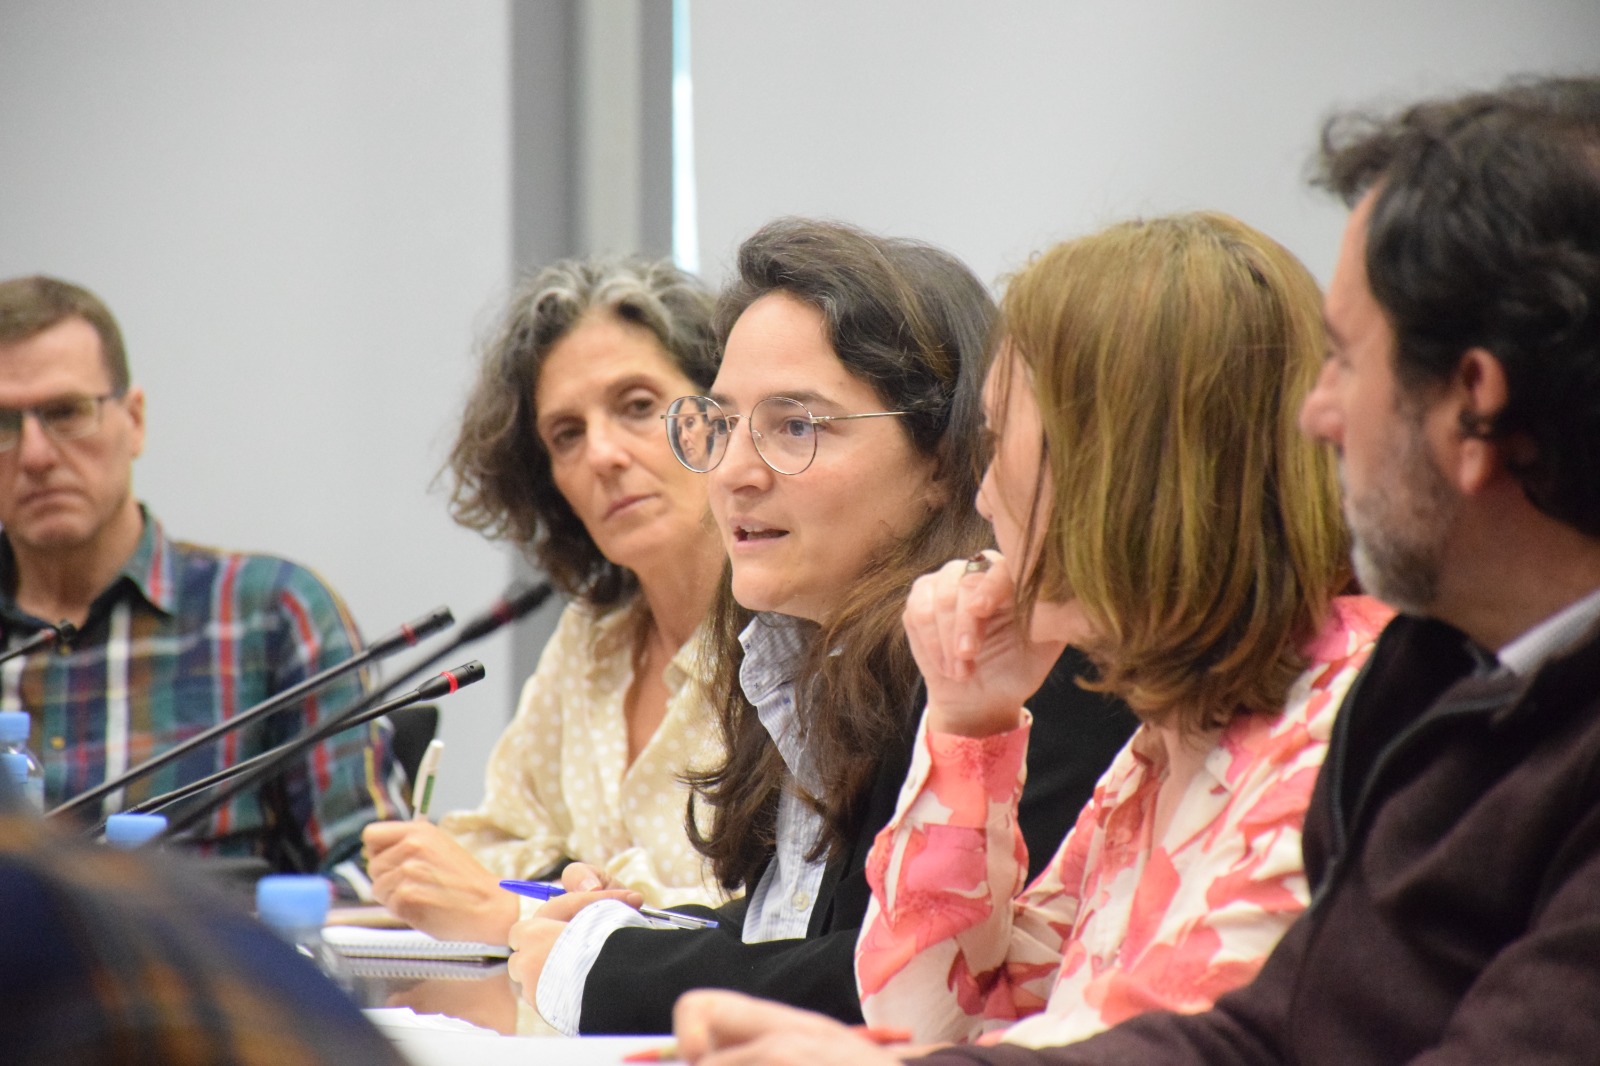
column 641, row 972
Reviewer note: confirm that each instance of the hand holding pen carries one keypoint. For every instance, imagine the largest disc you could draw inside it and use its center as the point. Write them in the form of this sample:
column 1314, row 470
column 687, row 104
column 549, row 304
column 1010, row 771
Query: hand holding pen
column 427, row 777
column 427, row 878
column 546, row 891
column 532, row 939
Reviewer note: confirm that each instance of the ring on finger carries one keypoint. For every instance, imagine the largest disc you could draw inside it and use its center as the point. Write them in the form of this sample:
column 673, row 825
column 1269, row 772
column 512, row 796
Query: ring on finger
column 979, row 563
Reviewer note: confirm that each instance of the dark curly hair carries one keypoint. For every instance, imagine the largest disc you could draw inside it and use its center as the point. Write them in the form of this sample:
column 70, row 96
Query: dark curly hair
column 503, row 485
column 1485, row 232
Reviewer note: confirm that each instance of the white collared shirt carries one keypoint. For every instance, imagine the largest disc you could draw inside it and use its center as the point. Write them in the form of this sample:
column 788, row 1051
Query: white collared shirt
column 781, row 904
column 1528, row 652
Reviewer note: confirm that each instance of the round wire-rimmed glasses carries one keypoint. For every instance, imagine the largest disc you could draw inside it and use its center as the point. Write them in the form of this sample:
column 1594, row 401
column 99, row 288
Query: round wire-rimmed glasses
column 784, row 431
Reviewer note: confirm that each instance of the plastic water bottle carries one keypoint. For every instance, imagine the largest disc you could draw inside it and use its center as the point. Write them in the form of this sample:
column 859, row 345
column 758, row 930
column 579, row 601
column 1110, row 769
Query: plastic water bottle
column 15, row 767
column 295, row 906
column 14, row 726
column 131, row 830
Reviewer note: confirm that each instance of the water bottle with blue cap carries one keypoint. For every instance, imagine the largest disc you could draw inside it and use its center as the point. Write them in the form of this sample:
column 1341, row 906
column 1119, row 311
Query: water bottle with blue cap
column 15, row 768
column 14, row 726
column 295, row 906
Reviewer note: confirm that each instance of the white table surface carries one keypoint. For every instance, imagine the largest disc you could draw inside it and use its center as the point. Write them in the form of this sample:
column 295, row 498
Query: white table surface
column 433, row 1040
column 435, row 1048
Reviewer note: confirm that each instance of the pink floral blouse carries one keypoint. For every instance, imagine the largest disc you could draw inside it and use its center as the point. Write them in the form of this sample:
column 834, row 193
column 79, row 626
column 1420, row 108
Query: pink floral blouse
column 1118, row 923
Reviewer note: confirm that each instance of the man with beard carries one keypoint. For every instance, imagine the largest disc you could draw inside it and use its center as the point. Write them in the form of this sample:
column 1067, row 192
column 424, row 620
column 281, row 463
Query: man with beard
column 1453, row 841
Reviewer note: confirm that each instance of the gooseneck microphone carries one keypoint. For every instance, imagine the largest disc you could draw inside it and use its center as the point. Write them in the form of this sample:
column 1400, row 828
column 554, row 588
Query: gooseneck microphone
column 512, row 606
column 256, row 770
column 63, row 633
column 405, row 636
column 507, row 609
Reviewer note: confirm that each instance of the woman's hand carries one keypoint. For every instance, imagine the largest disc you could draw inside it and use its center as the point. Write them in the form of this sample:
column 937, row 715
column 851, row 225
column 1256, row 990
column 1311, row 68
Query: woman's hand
column 429, row 880
column 980, row 665
column 532, row 938
column 731, row 1029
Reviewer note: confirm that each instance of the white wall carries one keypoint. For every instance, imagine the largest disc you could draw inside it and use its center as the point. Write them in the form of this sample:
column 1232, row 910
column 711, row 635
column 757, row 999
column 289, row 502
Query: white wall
column 300, row 213
column 997, row 128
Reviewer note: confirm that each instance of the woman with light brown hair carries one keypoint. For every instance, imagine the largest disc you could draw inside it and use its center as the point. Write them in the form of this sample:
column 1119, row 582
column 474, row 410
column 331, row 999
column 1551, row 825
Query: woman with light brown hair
column 1157, row 507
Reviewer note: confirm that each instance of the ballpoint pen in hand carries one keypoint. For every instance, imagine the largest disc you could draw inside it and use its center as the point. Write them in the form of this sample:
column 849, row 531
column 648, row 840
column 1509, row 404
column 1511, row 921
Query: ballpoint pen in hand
column 427, row 773
column 545, row 890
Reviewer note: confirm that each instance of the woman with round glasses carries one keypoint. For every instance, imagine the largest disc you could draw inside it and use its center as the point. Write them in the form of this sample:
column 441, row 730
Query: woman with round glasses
column 839, row 443
column 561, row 452
column 783, row 430
column 1155, row 505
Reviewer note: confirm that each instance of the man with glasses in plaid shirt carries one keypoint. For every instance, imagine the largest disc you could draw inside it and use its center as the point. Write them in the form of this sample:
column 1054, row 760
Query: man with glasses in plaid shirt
column 172, row 638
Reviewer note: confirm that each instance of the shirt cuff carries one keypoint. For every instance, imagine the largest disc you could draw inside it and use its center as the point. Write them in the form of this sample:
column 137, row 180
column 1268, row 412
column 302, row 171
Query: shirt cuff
column 559, row 996
column 942, row 743
column 961, row 766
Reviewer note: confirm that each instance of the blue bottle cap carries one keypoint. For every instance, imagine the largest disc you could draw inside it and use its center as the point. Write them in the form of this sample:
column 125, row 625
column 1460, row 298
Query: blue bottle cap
column 16, row 766
column 293, row 901
column 14, row 727
column 131, row 830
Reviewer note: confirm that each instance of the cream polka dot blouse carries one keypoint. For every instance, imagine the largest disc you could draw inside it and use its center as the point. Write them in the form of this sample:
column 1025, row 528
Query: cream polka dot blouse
column 558, row 784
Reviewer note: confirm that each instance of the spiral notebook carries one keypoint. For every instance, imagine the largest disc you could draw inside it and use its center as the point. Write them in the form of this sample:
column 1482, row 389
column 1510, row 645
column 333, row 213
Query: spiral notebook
column 361, row 942
column 387, row 969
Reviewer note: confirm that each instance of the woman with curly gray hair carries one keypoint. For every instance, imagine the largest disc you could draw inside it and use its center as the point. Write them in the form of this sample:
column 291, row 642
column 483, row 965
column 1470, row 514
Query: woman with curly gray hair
column 561, row 451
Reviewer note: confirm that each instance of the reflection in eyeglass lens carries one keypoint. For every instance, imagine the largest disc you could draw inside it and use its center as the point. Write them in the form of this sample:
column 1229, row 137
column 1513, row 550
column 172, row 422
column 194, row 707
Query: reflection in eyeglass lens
column 783, row 430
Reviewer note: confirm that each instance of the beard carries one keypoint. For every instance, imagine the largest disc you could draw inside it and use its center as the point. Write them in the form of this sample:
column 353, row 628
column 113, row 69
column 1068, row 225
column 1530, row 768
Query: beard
column 1398, row 530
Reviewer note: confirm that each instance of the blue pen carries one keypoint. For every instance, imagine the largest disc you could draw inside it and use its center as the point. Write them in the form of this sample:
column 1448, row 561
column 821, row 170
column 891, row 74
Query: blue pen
column 536, row 889
column 541, row 890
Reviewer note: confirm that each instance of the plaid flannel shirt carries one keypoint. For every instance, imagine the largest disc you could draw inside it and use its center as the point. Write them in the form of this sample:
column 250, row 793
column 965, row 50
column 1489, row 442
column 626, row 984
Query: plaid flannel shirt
column 184, row 638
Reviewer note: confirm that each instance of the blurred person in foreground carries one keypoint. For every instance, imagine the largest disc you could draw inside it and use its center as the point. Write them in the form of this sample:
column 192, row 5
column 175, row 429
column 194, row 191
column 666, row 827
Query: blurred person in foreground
column 1453, row 840
column 114, row 960
column 1156, row 506
column 173, row 638
column 561, row 451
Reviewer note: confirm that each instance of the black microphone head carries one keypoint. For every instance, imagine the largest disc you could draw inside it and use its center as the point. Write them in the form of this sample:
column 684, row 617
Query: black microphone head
column 426, row 626
column 57, row 635
column 467, row 673
column 450, row 680
column 509, row 608
column 411, row 632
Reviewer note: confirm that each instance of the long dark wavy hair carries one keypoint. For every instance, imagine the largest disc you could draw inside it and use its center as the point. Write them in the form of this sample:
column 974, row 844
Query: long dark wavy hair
column 914, row 323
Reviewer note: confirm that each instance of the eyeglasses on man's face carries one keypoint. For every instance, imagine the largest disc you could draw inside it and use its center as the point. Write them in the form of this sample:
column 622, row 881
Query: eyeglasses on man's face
column 62, row 419
column 784, row 431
